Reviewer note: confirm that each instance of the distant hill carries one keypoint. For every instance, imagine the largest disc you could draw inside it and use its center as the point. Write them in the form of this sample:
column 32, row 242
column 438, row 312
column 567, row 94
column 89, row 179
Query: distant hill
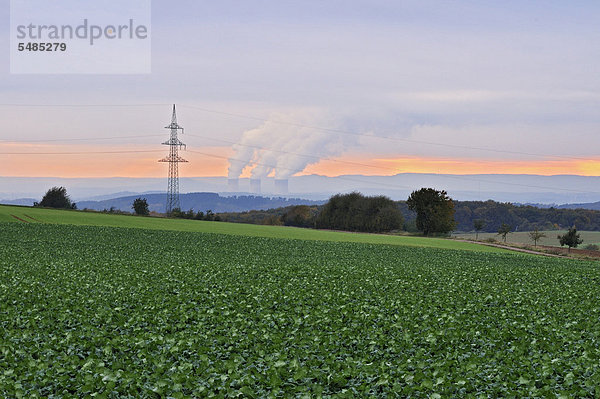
column 594, row 206
column 504, row 188
column 19, row 201
column 199, row 202
column 119, row 195
column 591, row 205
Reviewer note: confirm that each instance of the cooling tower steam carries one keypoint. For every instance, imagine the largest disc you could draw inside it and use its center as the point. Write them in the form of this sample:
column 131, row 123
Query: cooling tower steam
column 284, row 149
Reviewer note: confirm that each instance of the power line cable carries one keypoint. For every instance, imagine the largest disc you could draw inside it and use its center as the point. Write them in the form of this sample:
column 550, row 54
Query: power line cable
column 331, row 130
column 294, row 170
column 399, row 139
column 318, row 157
column 17, row 105
column 379, row 184
column 297, row 125
column 297, row 170
column 81, row 139
column 78, row 152
column 378, row 167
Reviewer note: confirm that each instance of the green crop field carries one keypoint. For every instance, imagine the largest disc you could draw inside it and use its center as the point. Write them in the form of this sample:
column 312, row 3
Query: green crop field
column 522, row 237
column 37, row 215
column 104, row 312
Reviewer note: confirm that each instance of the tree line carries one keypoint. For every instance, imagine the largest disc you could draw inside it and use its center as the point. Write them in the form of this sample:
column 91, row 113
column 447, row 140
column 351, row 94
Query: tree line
column 356, row 212
column 426, row 210
column 489, row 215
column 430, row 211
column 522, row 217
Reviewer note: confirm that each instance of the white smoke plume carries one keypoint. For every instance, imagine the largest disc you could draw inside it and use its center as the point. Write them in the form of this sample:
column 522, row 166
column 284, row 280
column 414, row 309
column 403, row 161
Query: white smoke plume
column 286, row 148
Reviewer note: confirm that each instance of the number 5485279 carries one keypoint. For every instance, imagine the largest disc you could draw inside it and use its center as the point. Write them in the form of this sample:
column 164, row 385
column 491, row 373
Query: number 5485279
column 42, row 47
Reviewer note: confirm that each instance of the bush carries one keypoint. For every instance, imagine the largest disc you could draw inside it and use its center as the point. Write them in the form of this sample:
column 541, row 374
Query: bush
column 410, row 226
column 300, row 216
column 592, row 247
column 571, row 238
column 209, row 215
column 272, row 220
column 56, row 197
column 140, row 207
column 355, row 212
column 176, row 213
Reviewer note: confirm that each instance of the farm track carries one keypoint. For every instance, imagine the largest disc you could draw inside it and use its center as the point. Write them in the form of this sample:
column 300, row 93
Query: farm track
column 523, row 250
column 589, row 254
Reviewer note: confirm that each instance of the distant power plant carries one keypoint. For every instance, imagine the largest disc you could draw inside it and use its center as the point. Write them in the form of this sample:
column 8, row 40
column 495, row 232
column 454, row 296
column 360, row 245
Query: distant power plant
column 258, row 186
column 255, row 186
column 281, row 186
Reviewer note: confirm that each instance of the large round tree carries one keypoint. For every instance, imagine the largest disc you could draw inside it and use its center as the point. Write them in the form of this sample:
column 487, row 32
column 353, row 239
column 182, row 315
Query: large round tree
column 435, row 210
column 57, row 197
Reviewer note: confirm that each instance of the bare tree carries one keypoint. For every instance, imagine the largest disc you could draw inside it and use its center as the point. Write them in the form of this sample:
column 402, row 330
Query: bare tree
column 479, row 224
column 535, row 236
column 504, row 230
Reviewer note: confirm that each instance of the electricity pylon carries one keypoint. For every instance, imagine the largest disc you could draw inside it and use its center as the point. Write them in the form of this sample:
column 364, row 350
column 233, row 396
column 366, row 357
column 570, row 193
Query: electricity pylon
column 173, row 159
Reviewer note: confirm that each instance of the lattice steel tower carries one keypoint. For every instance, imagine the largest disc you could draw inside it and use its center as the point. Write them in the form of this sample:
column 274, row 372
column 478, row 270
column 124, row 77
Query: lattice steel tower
column 173, row 159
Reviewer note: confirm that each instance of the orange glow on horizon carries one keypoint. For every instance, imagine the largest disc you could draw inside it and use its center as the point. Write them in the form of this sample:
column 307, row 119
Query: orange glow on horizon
column 102, row 163
column 457, row 166
column 212, row 161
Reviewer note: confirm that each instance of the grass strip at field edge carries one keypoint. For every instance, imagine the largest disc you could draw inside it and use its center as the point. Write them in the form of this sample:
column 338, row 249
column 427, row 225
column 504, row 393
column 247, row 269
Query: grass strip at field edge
column 73, row 217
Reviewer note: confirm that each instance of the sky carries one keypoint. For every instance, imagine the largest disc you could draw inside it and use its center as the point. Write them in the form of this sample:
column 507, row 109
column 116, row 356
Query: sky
column 280, row 88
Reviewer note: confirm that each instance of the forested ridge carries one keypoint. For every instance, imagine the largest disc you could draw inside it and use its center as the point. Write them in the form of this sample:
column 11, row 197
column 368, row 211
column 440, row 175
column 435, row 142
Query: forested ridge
column 523, row 217
column 519, row 217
